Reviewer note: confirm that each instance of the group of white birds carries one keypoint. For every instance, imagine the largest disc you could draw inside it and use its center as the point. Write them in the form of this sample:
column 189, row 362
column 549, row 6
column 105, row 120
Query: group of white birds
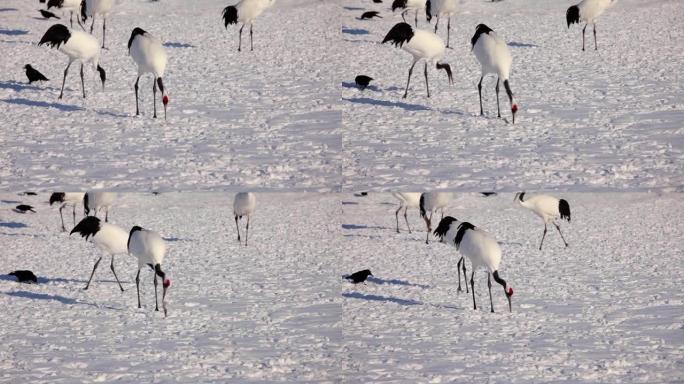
column 474, row 243
column 489, row 48
column 147, row 246
column 146, row 50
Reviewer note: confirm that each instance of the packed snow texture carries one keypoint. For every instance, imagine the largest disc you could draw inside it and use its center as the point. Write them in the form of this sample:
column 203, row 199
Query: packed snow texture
column 596, row 120
column 609, row 308
column 267, row 119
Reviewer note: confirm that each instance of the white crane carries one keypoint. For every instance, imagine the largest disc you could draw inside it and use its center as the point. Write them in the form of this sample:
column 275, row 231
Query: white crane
column 78, row 46
column 92, row 8
column 108, row 237
column 243, row 205
column 409, row 5
column 149, row 247
column 150, row 56
column 441, row 8
column 494, row 56
column 65, row 199
column 420, row 44
column 245, row 12
column 587, row 11
column 548, row 208
column 480, row 247
column 97, row 200
column 431, row 202
column 66, row 5
column 406, row 200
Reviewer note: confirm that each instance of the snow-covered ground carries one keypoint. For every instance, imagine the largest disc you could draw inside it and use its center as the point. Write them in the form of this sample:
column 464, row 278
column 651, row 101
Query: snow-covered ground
column 268, row 119
column 607, row 309
column 263, row 312
column 597, row 120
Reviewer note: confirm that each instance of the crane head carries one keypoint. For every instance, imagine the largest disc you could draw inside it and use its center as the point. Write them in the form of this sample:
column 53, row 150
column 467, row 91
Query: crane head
column 514, row 109
column 509, row 293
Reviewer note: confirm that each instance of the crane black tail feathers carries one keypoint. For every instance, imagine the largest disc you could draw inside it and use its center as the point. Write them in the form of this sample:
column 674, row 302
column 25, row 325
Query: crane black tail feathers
column 84, row 11
column 55, row 36
column 230, row 15
column 89, row 226
column 447, row 69
column 443, row 227
column 398, row 4
column 564, row 209
column 572, row 15
column 428, row 12
column 399, row 34
column 422, row 206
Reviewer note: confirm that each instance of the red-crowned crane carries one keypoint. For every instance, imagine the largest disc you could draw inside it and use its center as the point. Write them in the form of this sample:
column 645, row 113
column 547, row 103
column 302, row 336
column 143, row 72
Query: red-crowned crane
column 420, row 44
column 548, row 208
column 431, row 202
column 92, row 8
column 406, row 200
column 587, row 11
column 494, row 56
column 65, row 199
column 480, row 247
column 97, row 200
column 244, row 204
column 108, row 237
column 441, row 8
column 78, row 46
column 150, row 56
column 149, row 247
column 245, row 12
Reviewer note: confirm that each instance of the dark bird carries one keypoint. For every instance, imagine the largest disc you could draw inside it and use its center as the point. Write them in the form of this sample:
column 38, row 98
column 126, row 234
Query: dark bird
column 370, row 15
column 358, row 277
column 33, row 75
column 28, row 193
column 377, row 1
column 47, row 14
column 23, row 208
column 487, row 194
column 42, row 1
column 362, row 81
column 24, row 277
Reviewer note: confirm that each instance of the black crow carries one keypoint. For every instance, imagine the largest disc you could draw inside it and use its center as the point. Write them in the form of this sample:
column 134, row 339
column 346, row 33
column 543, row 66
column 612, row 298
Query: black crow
column 24, row 276
column 487, row 194
column 33, row 75
column 28, row 193
column 23, row 208
column 47, row 14
column 370, row 15
column 359, row 277
column 377, row 1
column 362, row 81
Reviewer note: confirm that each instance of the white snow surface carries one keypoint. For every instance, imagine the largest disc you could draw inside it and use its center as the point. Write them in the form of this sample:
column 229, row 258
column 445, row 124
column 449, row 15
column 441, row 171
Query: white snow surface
column 611, row 119
column 607, row 309
column 267, row 119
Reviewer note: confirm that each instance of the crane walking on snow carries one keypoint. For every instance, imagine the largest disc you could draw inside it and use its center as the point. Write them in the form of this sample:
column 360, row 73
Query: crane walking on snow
column 149, row 247
column 548, row 208
column 587, row 11
column 245, row 12
column 149, row 55
column 108, row 237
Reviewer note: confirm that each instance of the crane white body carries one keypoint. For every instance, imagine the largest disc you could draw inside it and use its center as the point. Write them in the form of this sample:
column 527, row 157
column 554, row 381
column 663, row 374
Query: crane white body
column 587, row 11
column 439, row 9
column 245, row 12
column 149, row 55
column 494, row 57
column 430, row 202
column 67, row 199
column 107, row 237
column 406, row 200
column 422, row 45
column 547, row 208
column 150, row 249
column 98, row 200
column 95, row 8
column 78, row 46
column 244, row 204
column 480, row 247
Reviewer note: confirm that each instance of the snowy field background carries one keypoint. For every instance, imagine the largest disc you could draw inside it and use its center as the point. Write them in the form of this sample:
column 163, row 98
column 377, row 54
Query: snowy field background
column 267, row 119
column 607, row 309
column 606, row 120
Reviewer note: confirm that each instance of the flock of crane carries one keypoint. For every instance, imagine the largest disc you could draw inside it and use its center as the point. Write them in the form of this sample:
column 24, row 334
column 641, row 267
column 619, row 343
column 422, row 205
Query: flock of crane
column 473, row 243
column 148, row 246
column 490, row 49
column 146, row 50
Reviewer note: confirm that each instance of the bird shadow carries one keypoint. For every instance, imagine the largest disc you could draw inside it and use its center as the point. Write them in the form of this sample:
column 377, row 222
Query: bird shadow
column 13, row 32
column 177, row 239
column 43, row 104
column 357, row 226
column 112, row 114
column 10, row 202
column 178, row 45
column 45, row 280
column 383, row 103
column 17, row 86
column 387, row 299
column 360, row 41
column 350, row 203
column 515, row 44
column 346, row 84
column 370, row 237
column 354, row 8
column 404, row 283
column 58, row 298
column 355, row 31
column 510, row 243
column 13, row 224
column 8, row 9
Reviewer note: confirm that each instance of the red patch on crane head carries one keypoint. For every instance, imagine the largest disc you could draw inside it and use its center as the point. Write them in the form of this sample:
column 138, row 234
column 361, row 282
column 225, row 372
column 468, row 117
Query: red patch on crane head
column 510, row 291
column 165, row 99
column 514, row 108
column 167, row 283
